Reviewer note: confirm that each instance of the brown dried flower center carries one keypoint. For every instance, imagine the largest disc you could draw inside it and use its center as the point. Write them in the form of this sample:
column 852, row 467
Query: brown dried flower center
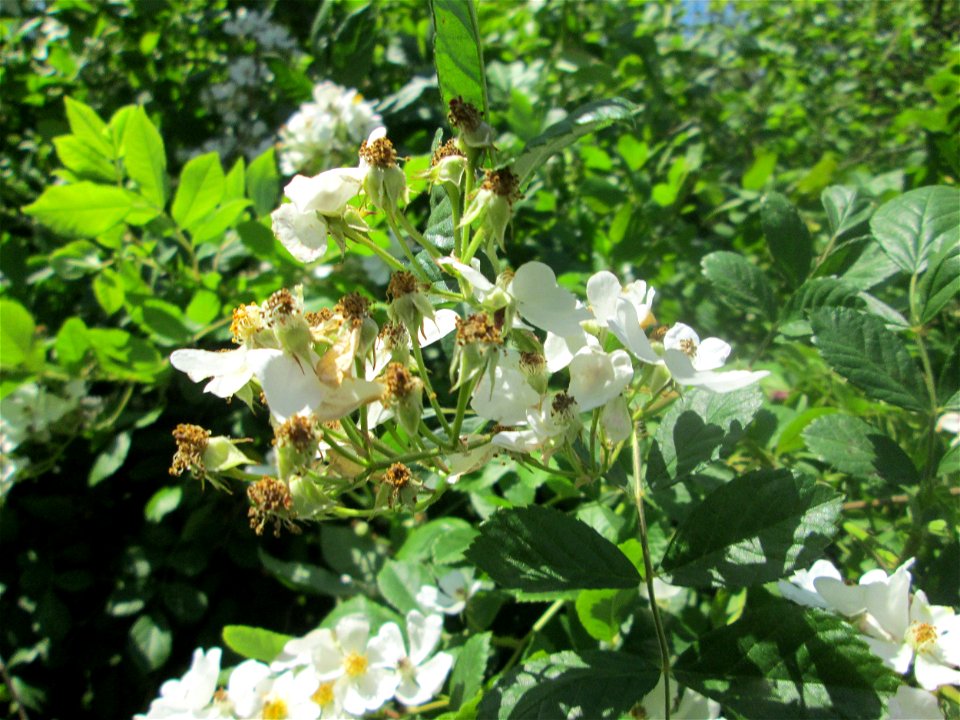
column 688, row 347
column 398, row 475
column 532, row 361
column 353, row 307
column 394, row 335
column 281, row 305
column 379, row 153
column 270, row 501
column 478, row 328
column 400, row 382
column 658, row 333
column 191, row 443
column 402, row 283
column 448, row 149
column 561, row 403
column 298, row 432
column 464, row 115
column 503, row 182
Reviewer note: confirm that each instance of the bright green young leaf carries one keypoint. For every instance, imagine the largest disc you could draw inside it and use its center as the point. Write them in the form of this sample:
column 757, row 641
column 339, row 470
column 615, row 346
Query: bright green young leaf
column 254, row 643
column 110, row 459
column 76, row 259
column 602, row 612
column 752, row 530
column 457, row 53
column 145, row 157
column 790, row 440
column 599, row 685
column 693, row 429
column 941, row 282
column 582, row 121
column 200, row 190
column 204, row 307
column 760, row 171
column 16, row 334
column 72, row 344
column 124, row 357
column 538, row 549
column 740, row 283
column 88, row 127
column 222, row 219
column 108, row 290
column 848, row 212
column 163, row 502
column 235, row 183
column 83, row 159
column 860, row 348
column 84, row 208
column 305, row 577
column 854, row 447
column 263, row 183
column 781, row 661
column 150, row 641
column 918, row 224
column 399, row 582
column 468, row 670
column 441, row 541
column 787, row 237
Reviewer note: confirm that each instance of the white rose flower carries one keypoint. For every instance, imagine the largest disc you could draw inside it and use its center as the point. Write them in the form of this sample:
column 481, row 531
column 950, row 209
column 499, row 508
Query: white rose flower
column 421, row 676
column 692, row 362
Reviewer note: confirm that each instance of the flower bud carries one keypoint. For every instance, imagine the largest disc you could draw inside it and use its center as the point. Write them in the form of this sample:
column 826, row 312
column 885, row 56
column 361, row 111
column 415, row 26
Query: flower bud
column 493, row 204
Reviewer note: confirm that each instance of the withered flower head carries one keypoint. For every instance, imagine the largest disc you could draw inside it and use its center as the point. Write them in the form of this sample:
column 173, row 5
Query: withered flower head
column 402, row 283
column 319, row 318
column 398, row 476
column 281, row 306
column 561, row 403
column 379, row 153
column 478, row 328
column 271, row 502
column 448, row 149
column 191, row 442
column 399, row 380
column 659, row 332
column 354, row 308
column 503, row 182
column 299, row 432
column 463, row 115
column 394, row 335
column 532, row 362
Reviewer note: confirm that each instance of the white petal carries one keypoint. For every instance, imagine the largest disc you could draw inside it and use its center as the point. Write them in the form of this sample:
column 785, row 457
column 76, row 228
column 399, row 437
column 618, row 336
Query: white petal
column 373, row 689
column 544, row 303
column 596, row 377
column 615, row 420
column 845, row 599
column 521, row 441
column 304, row 235
column 428, row 680
column 801, row 589
column 626, row 327
column 352, row 394
column 603, row 291
column 896, row 656
column 352, row 633
column 376, row 134
column 290, row 389
column 684, row 373
column 913, row 704
column 559, row 351
column 711, row 354
column 471, row 273
column 229, row 370
column 931, row 674
column 889, row 602
column 386, row 648
column 506, row 397
column 424, row 634
column 443, row 323
column 325, row 193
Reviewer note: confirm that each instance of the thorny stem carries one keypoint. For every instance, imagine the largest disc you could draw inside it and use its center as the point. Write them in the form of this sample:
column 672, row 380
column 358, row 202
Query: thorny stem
column 648, row 573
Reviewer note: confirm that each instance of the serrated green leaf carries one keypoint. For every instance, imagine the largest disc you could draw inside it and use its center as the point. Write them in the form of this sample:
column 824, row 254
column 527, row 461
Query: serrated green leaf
column 787, row 237
column 305, row 577
column 848, row 212
column 87, row 126
column 752, row 530
column 854, row 447
column 222, row 219
column 539, row 549
column 918, row 224
column 200, row 190
column 940, row 283
column 399, row 583
column 582, row 121
column 84, row 208
column 859, row 347
column 595, row 684
column 693, row 429
column 82, row 159
column 16, row 333
column 108, row 290
column 76, row 259
column 110, row 459
column 439, row 229
column 813, row 294
column 254, row 643
column 469, row 669
column 145, row 158
column 789, row 439
column 781, row 661
column 72, row 344
column 602, row 612
column 263, row 183
column 151, row 641
column 740, row 283
column 457, row 53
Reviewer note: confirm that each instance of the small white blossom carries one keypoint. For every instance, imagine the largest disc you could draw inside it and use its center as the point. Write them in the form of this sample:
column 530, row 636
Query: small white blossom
column 191, row 695
column 597, row 377
column 950, row 422
column 421, row 676
column 455, row 589
column 506, row 396
column 692, row 362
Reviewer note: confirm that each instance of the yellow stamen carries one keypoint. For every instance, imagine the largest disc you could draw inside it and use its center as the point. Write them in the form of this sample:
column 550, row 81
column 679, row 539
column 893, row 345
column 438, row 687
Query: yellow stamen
column 355, row 664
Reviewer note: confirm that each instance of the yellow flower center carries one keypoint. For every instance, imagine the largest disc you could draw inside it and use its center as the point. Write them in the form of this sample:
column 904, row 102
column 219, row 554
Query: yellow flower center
column 921, row 636
column 323, row 695
column 355, row 664
column 274, row 710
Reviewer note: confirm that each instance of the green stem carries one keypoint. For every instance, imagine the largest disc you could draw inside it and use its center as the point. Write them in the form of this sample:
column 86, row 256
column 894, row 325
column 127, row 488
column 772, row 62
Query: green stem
column 427, row 385
column 418, row 236
column 537, row 627
column 648, row 573
column 343, row 452
column 389, row 259
column 463, row 397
